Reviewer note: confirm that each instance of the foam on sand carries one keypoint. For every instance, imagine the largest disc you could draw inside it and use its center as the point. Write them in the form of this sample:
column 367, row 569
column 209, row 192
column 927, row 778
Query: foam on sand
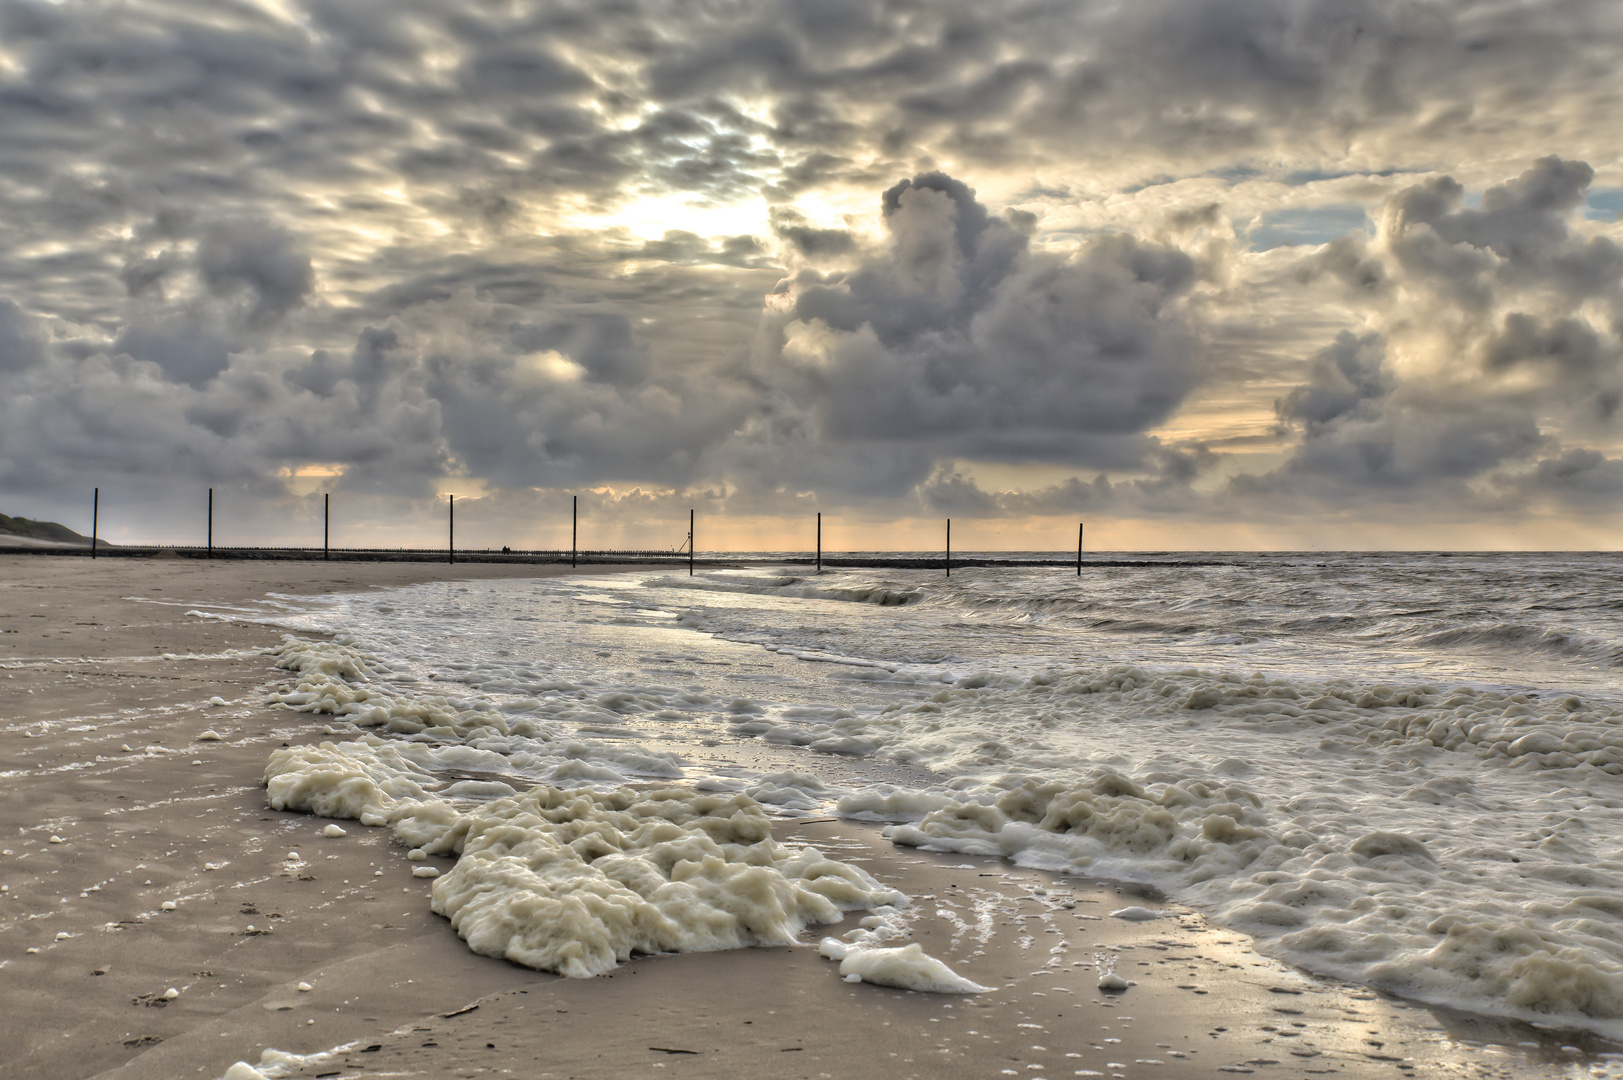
column 889, row 803
column 906, row 967
column 274, row 1064
column 577, row 881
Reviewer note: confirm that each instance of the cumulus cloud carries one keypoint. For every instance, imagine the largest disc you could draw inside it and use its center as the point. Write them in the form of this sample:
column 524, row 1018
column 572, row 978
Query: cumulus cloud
column 954, row 335
column 1499, row 337
column 1518, row 238
column 188, row 346
column 1346, row 377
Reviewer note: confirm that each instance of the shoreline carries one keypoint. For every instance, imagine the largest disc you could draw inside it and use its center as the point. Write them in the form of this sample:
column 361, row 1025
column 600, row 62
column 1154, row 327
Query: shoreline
column 105, row 668
column 601, row 559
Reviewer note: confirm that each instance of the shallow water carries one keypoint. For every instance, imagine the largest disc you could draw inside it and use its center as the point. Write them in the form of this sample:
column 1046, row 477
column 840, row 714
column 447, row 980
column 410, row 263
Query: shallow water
column 1401, row 769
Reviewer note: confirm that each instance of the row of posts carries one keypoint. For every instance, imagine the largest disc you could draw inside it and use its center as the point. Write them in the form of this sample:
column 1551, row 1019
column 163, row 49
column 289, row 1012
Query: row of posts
column 574, row 531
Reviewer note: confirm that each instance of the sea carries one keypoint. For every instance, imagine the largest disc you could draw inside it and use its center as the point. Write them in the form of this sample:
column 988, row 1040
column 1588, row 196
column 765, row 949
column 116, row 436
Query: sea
column 1401, row 769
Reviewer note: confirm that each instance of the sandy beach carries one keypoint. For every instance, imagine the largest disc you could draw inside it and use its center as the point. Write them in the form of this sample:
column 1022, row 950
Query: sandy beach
column 139, row 858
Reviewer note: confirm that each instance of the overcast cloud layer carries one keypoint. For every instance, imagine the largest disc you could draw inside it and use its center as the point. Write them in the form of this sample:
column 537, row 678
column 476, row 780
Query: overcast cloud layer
column 1167, row 266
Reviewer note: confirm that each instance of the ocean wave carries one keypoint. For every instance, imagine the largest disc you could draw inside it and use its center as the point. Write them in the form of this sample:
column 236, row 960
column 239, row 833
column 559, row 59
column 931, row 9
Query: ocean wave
column 1519, row 637
column 880, row 593
column 1447, row 844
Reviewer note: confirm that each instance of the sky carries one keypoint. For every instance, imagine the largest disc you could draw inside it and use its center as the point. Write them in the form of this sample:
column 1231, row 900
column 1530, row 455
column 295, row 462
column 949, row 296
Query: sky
column 1203, row 274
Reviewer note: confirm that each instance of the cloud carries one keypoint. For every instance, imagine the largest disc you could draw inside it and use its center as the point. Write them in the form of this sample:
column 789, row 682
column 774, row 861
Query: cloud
column 1518, row 239
column 1499, row 338
column 602, row 345
column 263, row 259
column 1414, row 439
column 464, row 387
column 1576, row 479
column 1344, row 378
column 813, row 243
column 22, row 344
column 188, row 346
column 1168, row 488
column 409, row 244
column 953, row 335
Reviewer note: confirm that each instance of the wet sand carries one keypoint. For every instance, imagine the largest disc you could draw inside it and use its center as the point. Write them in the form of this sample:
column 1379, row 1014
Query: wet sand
column 105, row 684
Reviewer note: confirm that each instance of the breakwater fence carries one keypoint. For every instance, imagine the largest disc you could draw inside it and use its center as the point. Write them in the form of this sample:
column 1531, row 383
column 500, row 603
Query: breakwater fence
column 686, row 553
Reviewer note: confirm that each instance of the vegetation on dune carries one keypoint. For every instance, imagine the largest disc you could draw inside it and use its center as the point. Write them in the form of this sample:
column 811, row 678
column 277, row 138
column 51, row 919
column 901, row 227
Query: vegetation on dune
column 39, row 530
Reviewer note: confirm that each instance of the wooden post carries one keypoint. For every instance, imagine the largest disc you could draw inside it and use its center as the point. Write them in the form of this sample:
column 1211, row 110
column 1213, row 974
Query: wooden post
column 450, row 550
column 819, row 542
column 211, row 523
column 95, row 516
column 574, row 527
column 1079, row 549
column 949, row 547
column 690, row 543
column 326, row 522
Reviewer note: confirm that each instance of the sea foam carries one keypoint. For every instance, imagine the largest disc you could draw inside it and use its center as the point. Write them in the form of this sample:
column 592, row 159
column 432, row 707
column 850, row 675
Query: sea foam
column 1446, row 845
column 578, row 881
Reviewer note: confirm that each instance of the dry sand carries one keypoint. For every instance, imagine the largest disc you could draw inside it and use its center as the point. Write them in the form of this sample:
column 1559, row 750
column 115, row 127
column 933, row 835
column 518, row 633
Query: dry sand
column 105, row 684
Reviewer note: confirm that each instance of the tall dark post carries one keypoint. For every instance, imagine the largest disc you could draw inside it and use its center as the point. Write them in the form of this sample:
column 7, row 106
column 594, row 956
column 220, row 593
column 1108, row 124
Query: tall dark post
column 819, row 542
column 690, row 543
column 574, row 527
column 326, row 522
column 95, row 516
column 450, row 550
column 949, row 547
column 1079, row 549
column 211, row 523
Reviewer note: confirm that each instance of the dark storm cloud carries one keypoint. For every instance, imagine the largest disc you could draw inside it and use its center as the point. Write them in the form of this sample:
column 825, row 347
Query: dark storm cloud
column 956, row 336
column 1409, row 441
column 1348, row 376
column 601, row 344
column 189, row 347
column 262, row 259
column 1568, row 348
